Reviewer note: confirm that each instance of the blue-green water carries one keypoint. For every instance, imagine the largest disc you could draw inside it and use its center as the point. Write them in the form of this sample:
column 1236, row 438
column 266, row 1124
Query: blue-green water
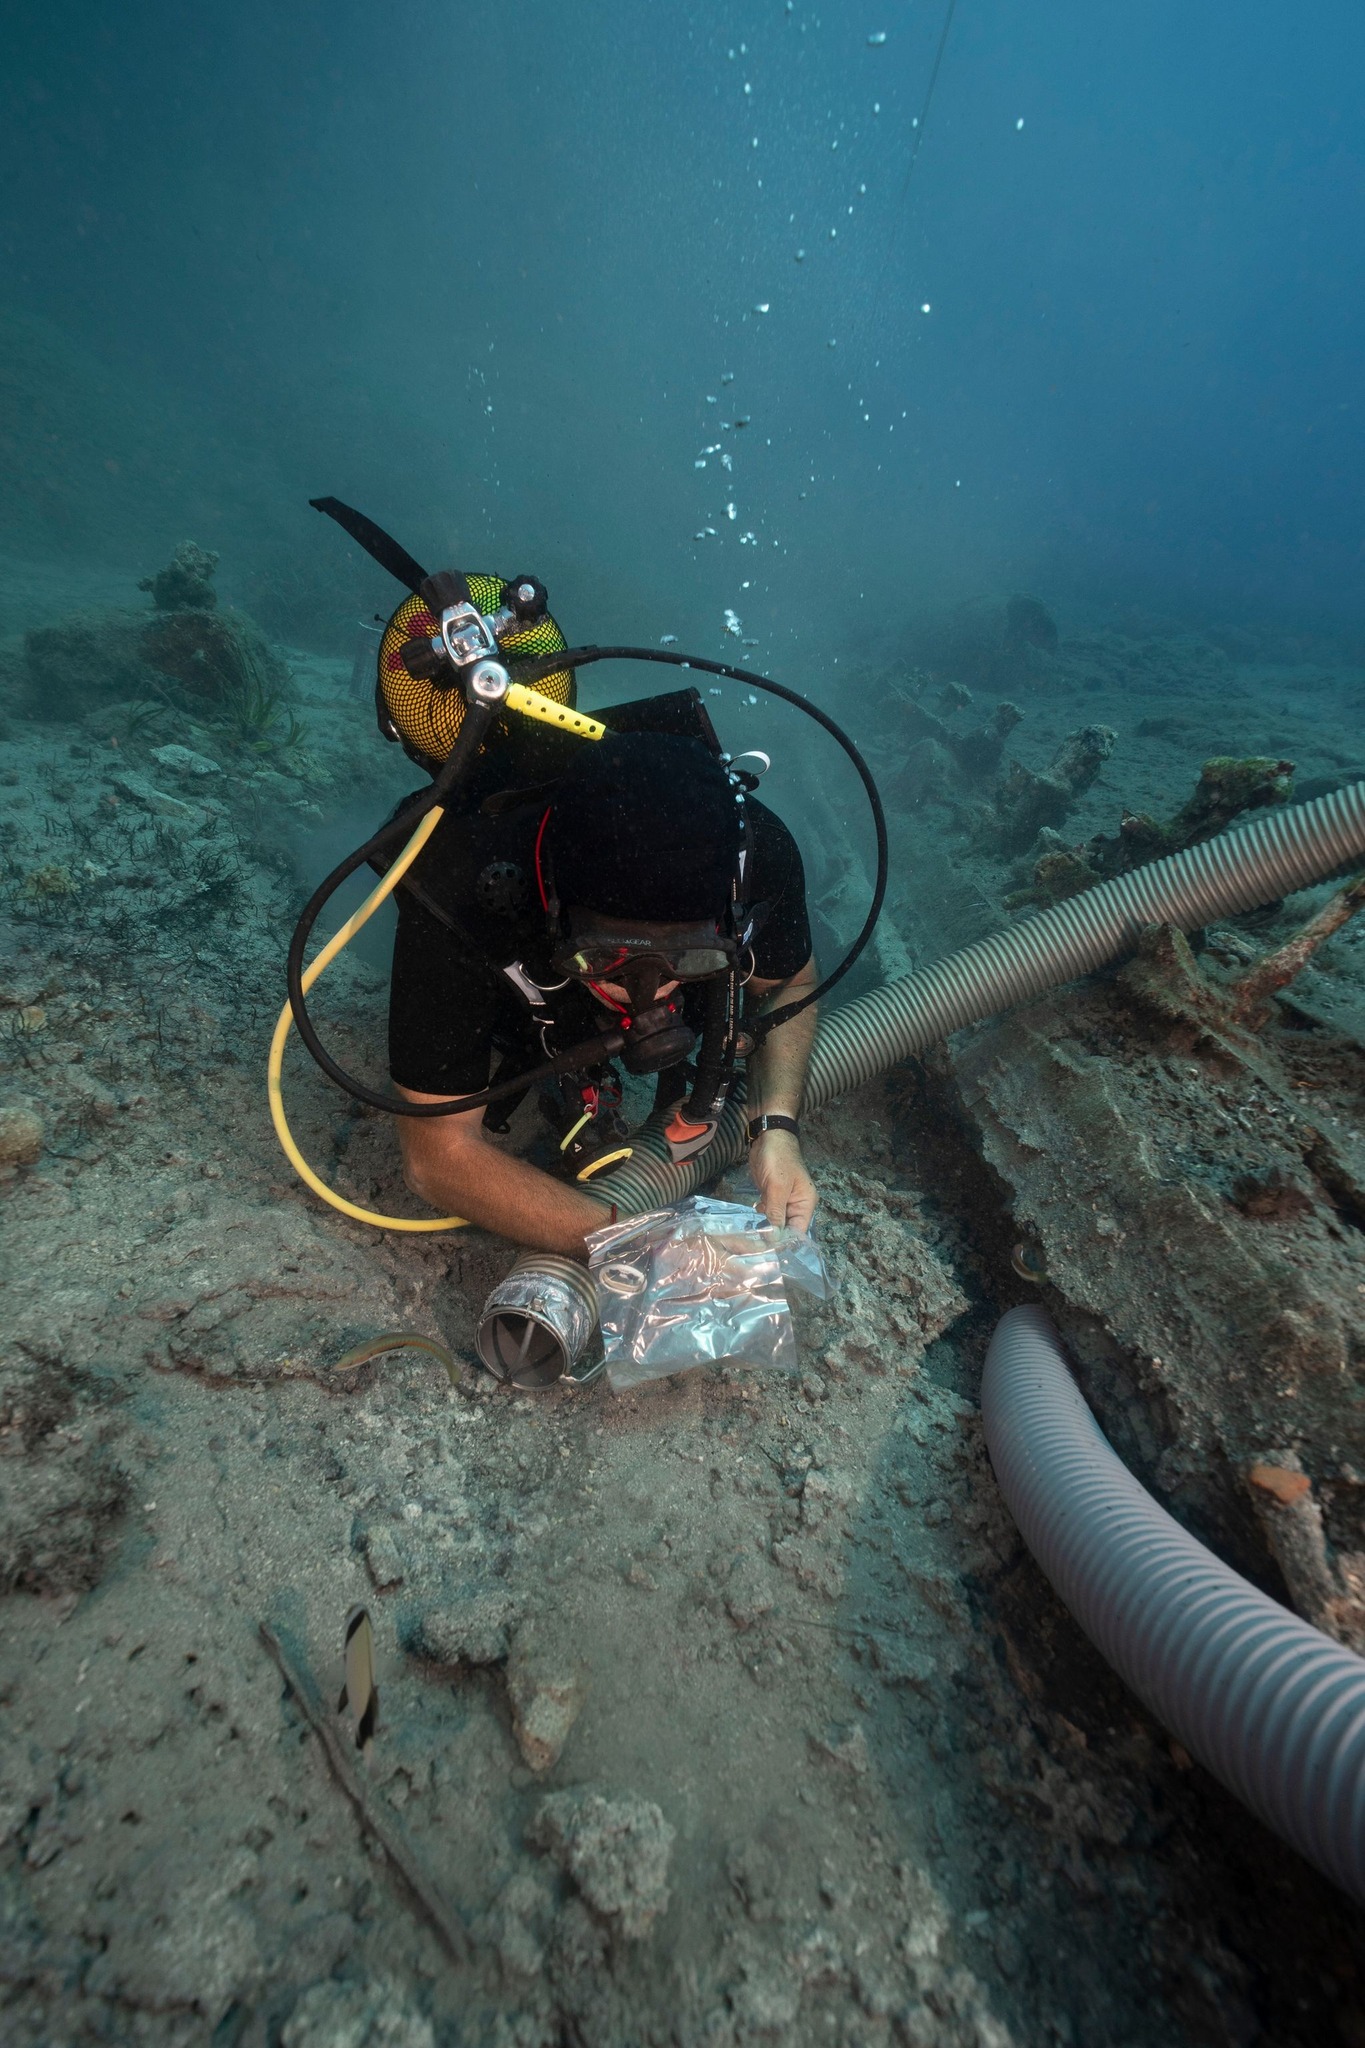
column 1027, row 441
column 486, row 272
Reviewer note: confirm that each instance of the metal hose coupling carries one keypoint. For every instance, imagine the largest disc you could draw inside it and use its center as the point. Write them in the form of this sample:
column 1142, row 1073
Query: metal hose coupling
column 1268, row 1704
column 1273, row 854
column 538, row 1323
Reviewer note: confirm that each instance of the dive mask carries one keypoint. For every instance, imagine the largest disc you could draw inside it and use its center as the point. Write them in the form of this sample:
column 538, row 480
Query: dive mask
column 601, row 950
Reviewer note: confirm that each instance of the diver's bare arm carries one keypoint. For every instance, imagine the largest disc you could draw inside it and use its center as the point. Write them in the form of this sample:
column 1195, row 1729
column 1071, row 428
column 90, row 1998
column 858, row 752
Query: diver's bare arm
column 448, row 1162
column 777, row 1076
column 777, row 1072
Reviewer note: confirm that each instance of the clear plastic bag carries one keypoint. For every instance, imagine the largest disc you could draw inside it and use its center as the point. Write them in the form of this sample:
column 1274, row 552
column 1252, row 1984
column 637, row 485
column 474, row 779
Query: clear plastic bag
column 696, row 1284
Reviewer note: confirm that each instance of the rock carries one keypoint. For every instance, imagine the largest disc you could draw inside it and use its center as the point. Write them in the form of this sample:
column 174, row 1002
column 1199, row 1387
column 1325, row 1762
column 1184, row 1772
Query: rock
column 218, row 663
column 21, row 1135
column 845, row 1745
column 1056, row 875
column 1228, row 785
column 810, row 1563
column 747, row 1601
column 136, row 790
column 900, row 1663
column 184, row 761
column 62, row 1490
column 1329, row 1593
column 1029, row 623
column 925, row 775
column 383, row 1561
column 547, row 1696
column 615, row 1852
column 1283, row 1485
column 978, row 753
column 367, row 2013
column 186, row 582
column 766, row 2002
column 514, row 1923
column 472, row 1629
column 194, row 1943
column 1026, row 802
column 87, row 660
column 825, row 1495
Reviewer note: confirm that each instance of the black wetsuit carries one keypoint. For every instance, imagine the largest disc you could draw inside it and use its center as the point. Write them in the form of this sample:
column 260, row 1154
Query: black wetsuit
column 470, row 907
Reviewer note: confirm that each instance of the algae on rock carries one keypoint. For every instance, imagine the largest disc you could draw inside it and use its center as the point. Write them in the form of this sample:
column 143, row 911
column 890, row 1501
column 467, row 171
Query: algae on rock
column 1228, row 786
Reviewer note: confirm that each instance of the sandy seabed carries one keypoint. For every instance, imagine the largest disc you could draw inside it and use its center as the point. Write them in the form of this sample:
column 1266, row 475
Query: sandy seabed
column 731, row 1710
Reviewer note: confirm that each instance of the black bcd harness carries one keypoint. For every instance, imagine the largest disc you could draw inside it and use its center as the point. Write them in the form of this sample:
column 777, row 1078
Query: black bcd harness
column 722, row 1042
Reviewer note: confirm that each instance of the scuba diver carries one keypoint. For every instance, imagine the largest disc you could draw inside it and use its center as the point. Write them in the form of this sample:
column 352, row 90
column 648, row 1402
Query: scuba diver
column 571, row 889
column 613, row 898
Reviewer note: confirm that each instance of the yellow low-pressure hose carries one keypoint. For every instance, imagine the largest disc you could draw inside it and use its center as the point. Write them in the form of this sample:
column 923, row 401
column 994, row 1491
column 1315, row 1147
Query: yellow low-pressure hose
column 531, row 704
column 334, row 945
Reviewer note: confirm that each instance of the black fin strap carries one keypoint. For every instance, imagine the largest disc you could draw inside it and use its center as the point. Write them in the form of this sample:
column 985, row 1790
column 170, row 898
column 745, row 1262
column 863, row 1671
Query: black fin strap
column 381, row 546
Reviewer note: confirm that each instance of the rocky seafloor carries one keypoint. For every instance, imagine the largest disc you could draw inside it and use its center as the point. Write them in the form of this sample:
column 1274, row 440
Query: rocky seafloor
column 731, row 1710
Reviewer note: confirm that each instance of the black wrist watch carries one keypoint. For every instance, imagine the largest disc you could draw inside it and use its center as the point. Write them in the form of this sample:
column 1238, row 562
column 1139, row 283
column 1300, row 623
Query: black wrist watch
column 759, row 1124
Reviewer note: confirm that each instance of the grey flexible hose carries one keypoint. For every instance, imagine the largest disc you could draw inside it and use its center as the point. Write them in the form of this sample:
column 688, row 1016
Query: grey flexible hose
column 1278, row 851
column 1269, row 1705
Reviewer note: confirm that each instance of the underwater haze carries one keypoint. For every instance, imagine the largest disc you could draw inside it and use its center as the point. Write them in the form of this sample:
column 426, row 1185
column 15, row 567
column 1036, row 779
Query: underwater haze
column 989, row 376
column 482, row 271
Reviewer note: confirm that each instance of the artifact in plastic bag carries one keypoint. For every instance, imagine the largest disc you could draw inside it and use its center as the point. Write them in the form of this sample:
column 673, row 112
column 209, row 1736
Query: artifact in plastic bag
column 696, row 1284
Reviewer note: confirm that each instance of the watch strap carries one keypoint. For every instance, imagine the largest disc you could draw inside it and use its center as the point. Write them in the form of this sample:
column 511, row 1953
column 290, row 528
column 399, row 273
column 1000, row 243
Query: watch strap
column 759, row 1124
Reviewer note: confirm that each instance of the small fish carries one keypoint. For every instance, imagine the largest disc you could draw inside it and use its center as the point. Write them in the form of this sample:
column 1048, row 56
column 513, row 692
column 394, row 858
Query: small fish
column 360, row 1693
column 876, row 39
column 399, row 1340
column 668, row 639
column 732, row 624
column 727, row 376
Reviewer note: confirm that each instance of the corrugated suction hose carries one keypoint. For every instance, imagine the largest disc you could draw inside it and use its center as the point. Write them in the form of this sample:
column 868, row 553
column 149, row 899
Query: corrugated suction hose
column 1278, row 851
column 1269, row 1705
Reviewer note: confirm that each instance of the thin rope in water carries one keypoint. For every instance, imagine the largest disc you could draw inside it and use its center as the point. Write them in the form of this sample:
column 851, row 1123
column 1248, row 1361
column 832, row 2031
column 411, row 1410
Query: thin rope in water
column 897, row 219
column 924, row 110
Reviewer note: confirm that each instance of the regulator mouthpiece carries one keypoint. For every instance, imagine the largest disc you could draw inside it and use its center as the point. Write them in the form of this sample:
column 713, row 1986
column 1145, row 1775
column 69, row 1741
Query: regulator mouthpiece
column 657, row 1038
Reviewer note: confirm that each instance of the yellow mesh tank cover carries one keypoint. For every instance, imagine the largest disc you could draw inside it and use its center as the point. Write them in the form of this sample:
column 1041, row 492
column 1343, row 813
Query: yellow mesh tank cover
column 428, row 718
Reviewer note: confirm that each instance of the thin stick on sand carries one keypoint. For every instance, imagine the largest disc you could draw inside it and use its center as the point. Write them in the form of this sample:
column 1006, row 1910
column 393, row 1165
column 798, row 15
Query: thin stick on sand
column 443, row 1921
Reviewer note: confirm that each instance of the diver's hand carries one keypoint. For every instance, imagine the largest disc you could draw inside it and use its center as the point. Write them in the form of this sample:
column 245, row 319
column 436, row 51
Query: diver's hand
column 786, row 1192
